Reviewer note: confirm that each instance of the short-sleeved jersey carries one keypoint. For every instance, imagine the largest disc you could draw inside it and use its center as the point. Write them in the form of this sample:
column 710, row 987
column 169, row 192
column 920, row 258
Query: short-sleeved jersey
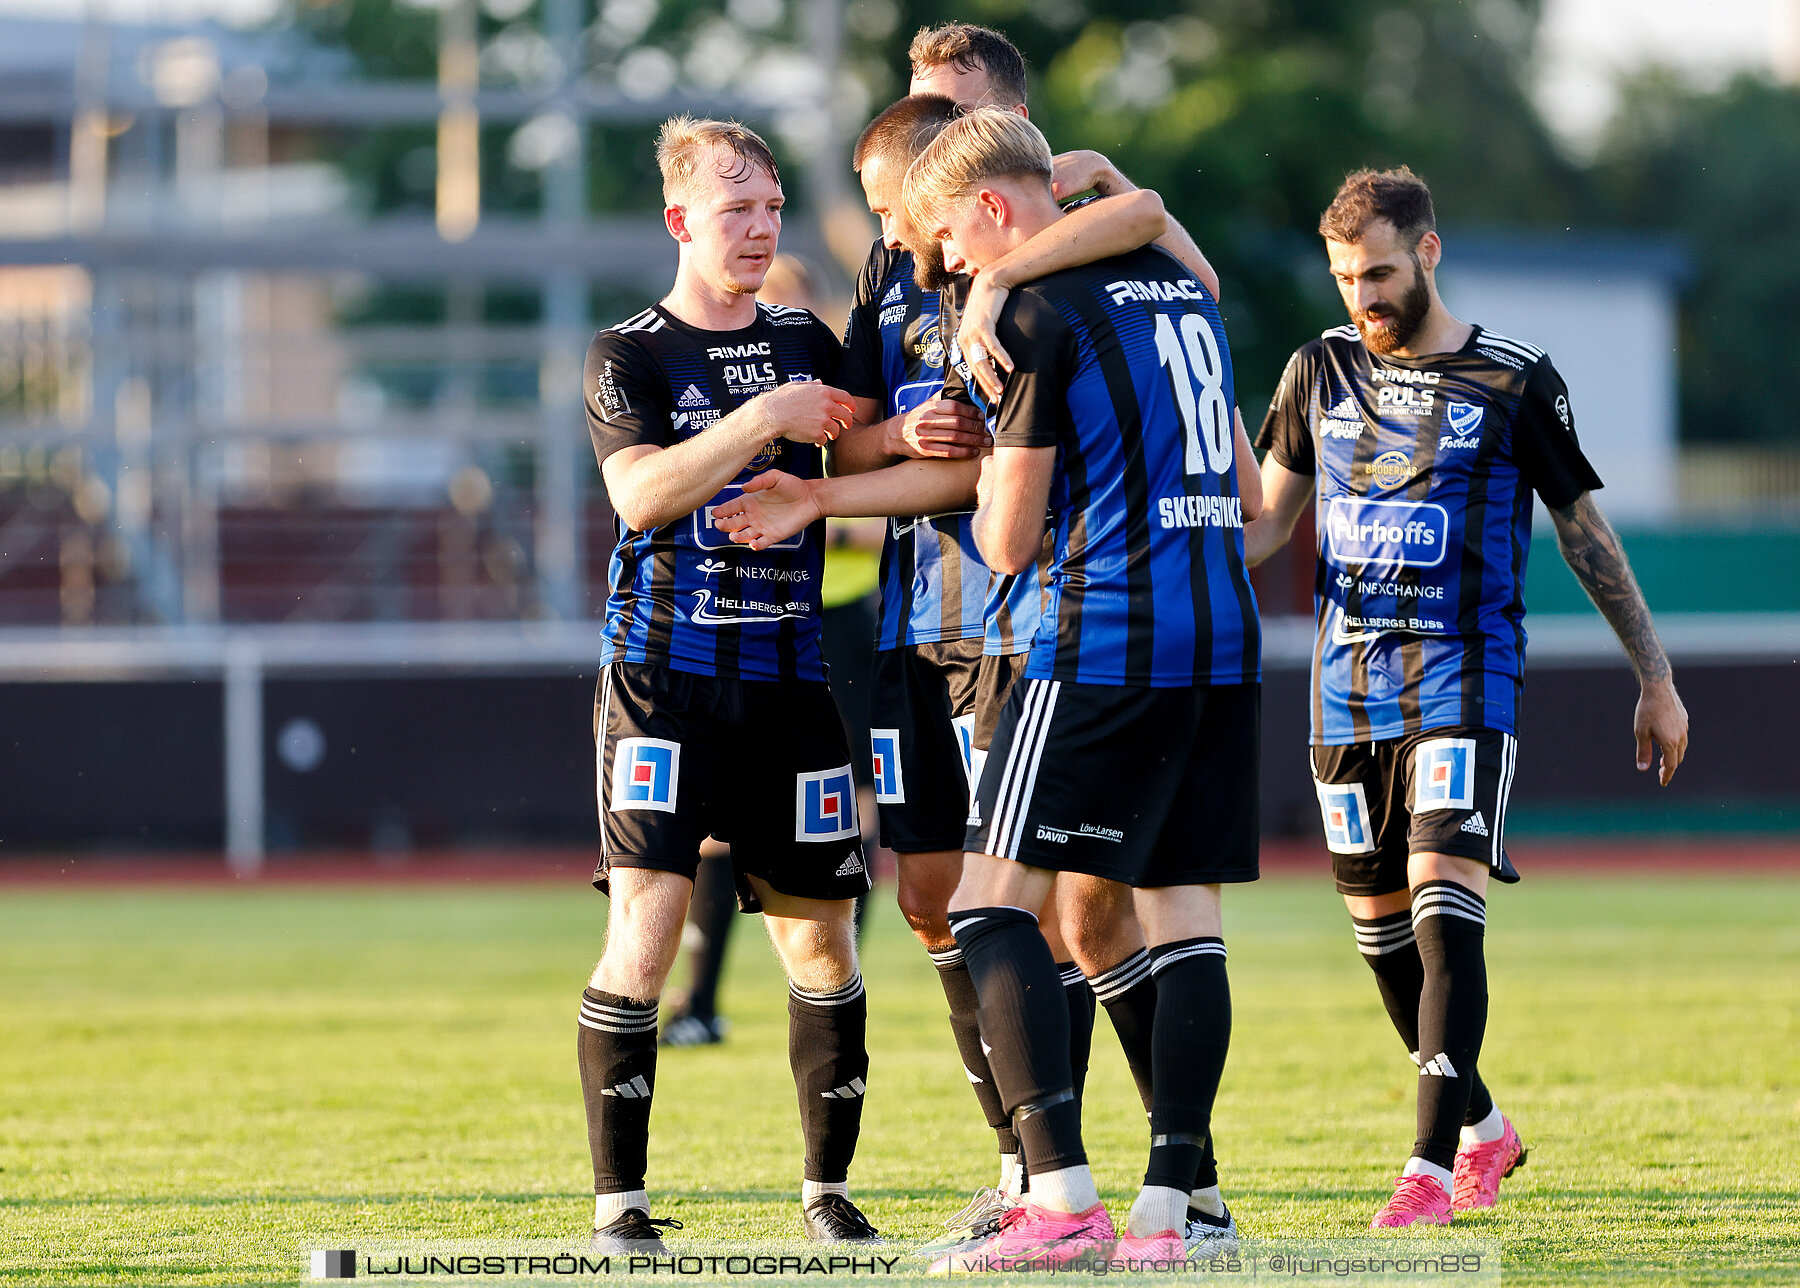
column 1123, row 367
column 933, row 583
column 1425, row 469
column 684, row 595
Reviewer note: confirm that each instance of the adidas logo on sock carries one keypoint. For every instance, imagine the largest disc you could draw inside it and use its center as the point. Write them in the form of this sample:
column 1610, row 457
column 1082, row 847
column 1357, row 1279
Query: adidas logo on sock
column 850, row 1091
column 636, row 1089
column 1475, row 824
column 691, row 397
column 1439, row 1066
column 971, row 1073
column 850, row 866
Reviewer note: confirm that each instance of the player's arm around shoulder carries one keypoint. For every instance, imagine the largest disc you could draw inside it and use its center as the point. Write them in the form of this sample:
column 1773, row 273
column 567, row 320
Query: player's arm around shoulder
column 1128, row 218
column 1596, row 556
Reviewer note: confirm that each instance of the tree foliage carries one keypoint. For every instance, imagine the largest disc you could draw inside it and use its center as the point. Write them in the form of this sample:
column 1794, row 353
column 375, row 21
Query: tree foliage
column 1244, row 114
column 1723, row 169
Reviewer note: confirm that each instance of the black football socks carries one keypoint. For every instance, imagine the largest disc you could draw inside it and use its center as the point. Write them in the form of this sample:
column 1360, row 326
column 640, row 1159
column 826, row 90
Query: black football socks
column 710, row 918
column 959, row 991
column 1081, row 1022
column 829, row 1054
column 1391, row 950
column 1450, row 923
column 1024, row 1018
column 616, row 1049
column 1128, row 993
column 1191, row 1038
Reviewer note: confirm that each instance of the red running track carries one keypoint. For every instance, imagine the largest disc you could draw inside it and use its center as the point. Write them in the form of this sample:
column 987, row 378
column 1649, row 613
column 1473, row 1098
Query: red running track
column 1283, row 857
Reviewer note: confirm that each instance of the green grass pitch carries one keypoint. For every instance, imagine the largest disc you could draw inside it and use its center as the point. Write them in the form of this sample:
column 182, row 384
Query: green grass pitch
column 197, row 1083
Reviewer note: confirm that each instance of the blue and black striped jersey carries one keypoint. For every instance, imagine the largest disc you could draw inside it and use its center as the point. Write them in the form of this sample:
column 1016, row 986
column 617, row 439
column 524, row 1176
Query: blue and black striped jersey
column 1425, row 469
column 1015, row 601
column 684, row 595
column 933, row 583
column 1122, row 366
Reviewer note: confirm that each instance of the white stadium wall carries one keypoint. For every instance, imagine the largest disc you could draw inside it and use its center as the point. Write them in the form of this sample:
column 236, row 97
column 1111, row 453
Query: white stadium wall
column 1608, row 322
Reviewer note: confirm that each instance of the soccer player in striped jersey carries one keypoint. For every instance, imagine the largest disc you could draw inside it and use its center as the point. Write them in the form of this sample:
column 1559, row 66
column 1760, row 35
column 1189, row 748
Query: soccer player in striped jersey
column 1134, row 728
column 1421, row 439
column 713, row 716
column 951, row 635
column 942, row 691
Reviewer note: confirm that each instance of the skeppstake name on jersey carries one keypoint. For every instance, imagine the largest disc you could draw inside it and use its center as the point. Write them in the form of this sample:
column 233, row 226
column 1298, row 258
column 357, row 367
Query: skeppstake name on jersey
column 1200, row 511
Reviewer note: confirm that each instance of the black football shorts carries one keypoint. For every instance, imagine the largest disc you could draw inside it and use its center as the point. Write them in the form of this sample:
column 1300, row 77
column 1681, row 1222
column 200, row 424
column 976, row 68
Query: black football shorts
column 921, row 730
column 1149, row 787
column 993, row 686
column 1442, row 791
column 760, row 764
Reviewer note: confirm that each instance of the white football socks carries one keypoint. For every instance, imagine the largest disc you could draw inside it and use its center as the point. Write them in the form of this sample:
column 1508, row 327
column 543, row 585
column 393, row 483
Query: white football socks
column 810, row 1190
column 1419, row 1167
column 1011, row 1174
column 1208, row 1201
column 1491, row 1128
column 1067, row 1189
column 610, row 1207
column 1157, row 1208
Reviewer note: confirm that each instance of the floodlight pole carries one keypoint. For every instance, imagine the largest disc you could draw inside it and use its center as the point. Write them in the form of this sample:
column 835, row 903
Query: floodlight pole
column 561, row 579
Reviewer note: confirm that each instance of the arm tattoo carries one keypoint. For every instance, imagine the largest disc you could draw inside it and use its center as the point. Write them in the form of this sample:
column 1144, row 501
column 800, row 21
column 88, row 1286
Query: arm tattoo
column 1597, row 559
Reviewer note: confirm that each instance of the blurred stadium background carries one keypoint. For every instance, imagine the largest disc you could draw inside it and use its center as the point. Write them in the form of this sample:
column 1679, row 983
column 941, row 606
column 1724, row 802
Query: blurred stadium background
column 301, row 541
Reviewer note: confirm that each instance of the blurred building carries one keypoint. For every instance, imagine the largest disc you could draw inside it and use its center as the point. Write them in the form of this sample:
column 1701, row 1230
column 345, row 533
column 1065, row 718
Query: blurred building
column 1605, row 312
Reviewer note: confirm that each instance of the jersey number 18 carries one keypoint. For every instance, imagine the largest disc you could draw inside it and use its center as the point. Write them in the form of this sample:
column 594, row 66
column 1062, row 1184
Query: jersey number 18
column 1198, row 375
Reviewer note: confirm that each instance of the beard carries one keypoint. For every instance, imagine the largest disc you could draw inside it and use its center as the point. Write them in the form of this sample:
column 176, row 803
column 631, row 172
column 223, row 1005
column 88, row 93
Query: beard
column 1405, row 319
column 929, row 273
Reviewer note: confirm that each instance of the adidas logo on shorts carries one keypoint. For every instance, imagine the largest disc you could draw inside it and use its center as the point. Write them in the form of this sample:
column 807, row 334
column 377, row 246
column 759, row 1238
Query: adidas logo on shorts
column 851, row 866
column 1475, row 824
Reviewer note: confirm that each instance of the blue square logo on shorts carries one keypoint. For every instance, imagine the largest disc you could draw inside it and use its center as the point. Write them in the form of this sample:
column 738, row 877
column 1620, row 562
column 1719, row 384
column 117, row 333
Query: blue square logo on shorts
column 1444, row 775
column 825, row 805
column 965, row 743
column 646, row 774
column 1346, row 813
column 890, row 787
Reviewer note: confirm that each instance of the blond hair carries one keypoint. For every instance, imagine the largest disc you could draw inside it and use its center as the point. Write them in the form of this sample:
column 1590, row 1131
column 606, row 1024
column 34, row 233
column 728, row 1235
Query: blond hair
column 987, row 143
column 686, row 145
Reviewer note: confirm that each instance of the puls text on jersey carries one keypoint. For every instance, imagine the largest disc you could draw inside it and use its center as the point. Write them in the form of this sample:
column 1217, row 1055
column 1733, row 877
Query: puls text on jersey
column 1400, row 392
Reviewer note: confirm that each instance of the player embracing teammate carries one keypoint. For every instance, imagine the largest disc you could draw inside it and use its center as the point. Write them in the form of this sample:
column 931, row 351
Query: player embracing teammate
column 946, row 679
column 1133, row 730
